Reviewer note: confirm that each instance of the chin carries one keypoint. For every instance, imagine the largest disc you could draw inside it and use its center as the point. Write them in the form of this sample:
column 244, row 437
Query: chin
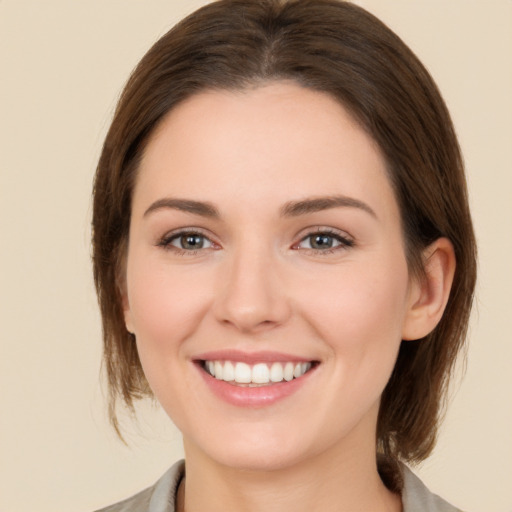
column 257, row 459
column 253, row 451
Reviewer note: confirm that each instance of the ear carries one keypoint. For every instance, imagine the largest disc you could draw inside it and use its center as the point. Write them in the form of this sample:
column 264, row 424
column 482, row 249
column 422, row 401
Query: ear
column 429, row 294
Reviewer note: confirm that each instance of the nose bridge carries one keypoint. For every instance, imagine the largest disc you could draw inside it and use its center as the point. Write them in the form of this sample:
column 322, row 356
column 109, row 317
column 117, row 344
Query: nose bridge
column 251, row 296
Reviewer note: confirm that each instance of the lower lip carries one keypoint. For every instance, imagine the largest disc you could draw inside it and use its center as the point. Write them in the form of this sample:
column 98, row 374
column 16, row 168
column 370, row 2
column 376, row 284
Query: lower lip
column 254, row 397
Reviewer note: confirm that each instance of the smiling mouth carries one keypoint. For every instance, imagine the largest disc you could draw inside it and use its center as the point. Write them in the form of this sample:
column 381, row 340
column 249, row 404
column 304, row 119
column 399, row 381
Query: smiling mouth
column 256, row 375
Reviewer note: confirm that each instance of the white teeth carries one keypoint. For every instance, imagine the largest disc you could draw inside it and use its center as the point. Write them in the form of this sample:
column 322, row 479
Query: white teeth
column 258, row 374
column 276, row 372
column 228, row 372
column 243, row 373
column 219, row 370
column 288, row 372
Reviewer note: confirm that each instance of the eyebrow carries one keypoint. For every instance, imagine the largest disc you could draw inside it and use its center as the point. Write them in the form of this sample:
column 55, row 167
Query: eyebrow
column 290, row 209
column 317, row 204
column 202, row 208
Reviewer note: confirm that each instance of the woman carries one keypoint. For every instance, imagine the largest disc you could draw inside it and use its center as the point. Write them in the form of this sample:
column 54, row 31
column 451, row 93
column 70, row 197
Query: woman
column 284, row 257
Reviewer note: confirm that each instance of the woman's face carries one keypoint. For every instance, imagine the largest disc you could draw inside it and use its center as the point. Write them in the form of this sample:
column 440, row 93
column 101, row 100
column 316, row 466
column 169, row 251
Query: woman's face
column 265, row 239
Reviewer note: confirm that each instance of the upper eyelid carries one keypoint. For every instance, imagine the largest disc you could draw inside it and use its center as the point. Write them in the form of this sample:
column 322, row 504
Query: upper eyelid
column 313, row 230
column 188, row 230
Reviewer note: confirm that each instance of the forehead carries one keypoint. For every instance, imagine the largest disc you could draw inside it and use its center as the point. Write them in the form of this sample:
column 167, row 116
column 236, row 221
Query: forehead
column 271, row 142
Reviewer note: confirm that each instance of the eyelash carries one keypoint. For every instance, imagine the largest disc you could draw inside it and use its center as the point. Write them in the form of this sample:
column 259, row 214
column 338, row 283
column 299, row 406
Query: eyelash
column 166, row 242
column 344, row 242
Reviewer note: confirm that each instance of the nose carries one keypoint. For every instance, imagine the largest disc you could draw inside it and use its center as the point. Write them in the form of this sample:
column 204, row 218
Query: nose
column 251, row 293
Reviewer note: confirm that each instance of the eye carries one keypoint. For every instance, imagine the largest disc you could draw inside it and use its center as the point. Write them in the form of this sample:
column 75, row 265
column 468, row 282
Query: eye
column 191, row 241
column 186, row 241
column 324, row 241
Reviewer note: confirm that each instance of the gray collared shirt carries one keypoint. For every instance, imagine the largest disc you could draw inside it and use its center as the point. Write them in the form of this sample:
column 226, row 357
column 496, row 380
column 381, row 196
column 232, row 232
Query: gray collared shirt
column 161, row 497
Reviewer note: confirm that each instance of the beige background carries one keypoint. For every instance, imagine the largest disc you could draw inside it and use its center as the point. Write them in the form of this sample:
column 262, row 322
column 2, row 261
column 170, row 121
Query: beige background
column 63, row 64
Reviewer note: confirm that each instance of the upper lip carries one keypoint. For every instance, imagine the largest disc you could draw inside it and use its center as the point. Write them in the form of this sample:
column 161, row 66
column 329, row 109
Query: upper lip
column 262, row 356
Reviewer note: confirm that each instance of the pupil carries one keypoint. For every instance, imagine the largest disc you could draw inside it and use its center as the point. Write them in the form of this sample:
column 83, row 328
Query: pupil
column 322, row 241
column 192, row 241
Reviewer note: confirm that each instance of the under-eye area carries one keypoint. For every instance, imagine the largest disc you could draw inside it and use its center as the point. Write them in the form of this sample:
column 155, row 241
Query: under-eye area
column 259, row 374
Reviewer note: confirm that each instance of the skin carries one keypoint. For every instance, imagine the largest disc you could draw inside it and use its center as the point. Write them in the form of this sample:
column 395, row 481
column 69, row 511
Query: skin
column 258, row 283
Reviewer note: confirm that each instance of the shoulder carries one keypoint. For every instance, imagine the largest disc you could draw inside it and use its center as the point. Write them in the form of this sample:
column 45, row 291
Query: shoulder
column 157, row 498
column 417, row 498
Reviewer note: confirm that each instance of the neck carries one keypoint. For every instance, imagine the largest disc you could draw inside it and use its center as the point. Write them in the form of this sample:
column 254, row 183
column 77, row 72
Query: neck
column 328, row 482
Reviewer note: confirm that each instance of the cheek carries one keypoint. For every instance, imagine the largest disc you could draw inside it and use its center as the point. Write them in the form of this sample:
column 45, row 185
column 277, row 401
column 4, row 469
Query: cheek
column 165, row 304
column 360, row 313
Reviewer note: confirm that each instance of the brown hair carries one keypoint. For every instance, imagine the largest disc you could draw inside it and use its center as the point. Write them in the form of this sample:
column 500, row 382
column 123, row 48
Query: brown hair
column 334, row 47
